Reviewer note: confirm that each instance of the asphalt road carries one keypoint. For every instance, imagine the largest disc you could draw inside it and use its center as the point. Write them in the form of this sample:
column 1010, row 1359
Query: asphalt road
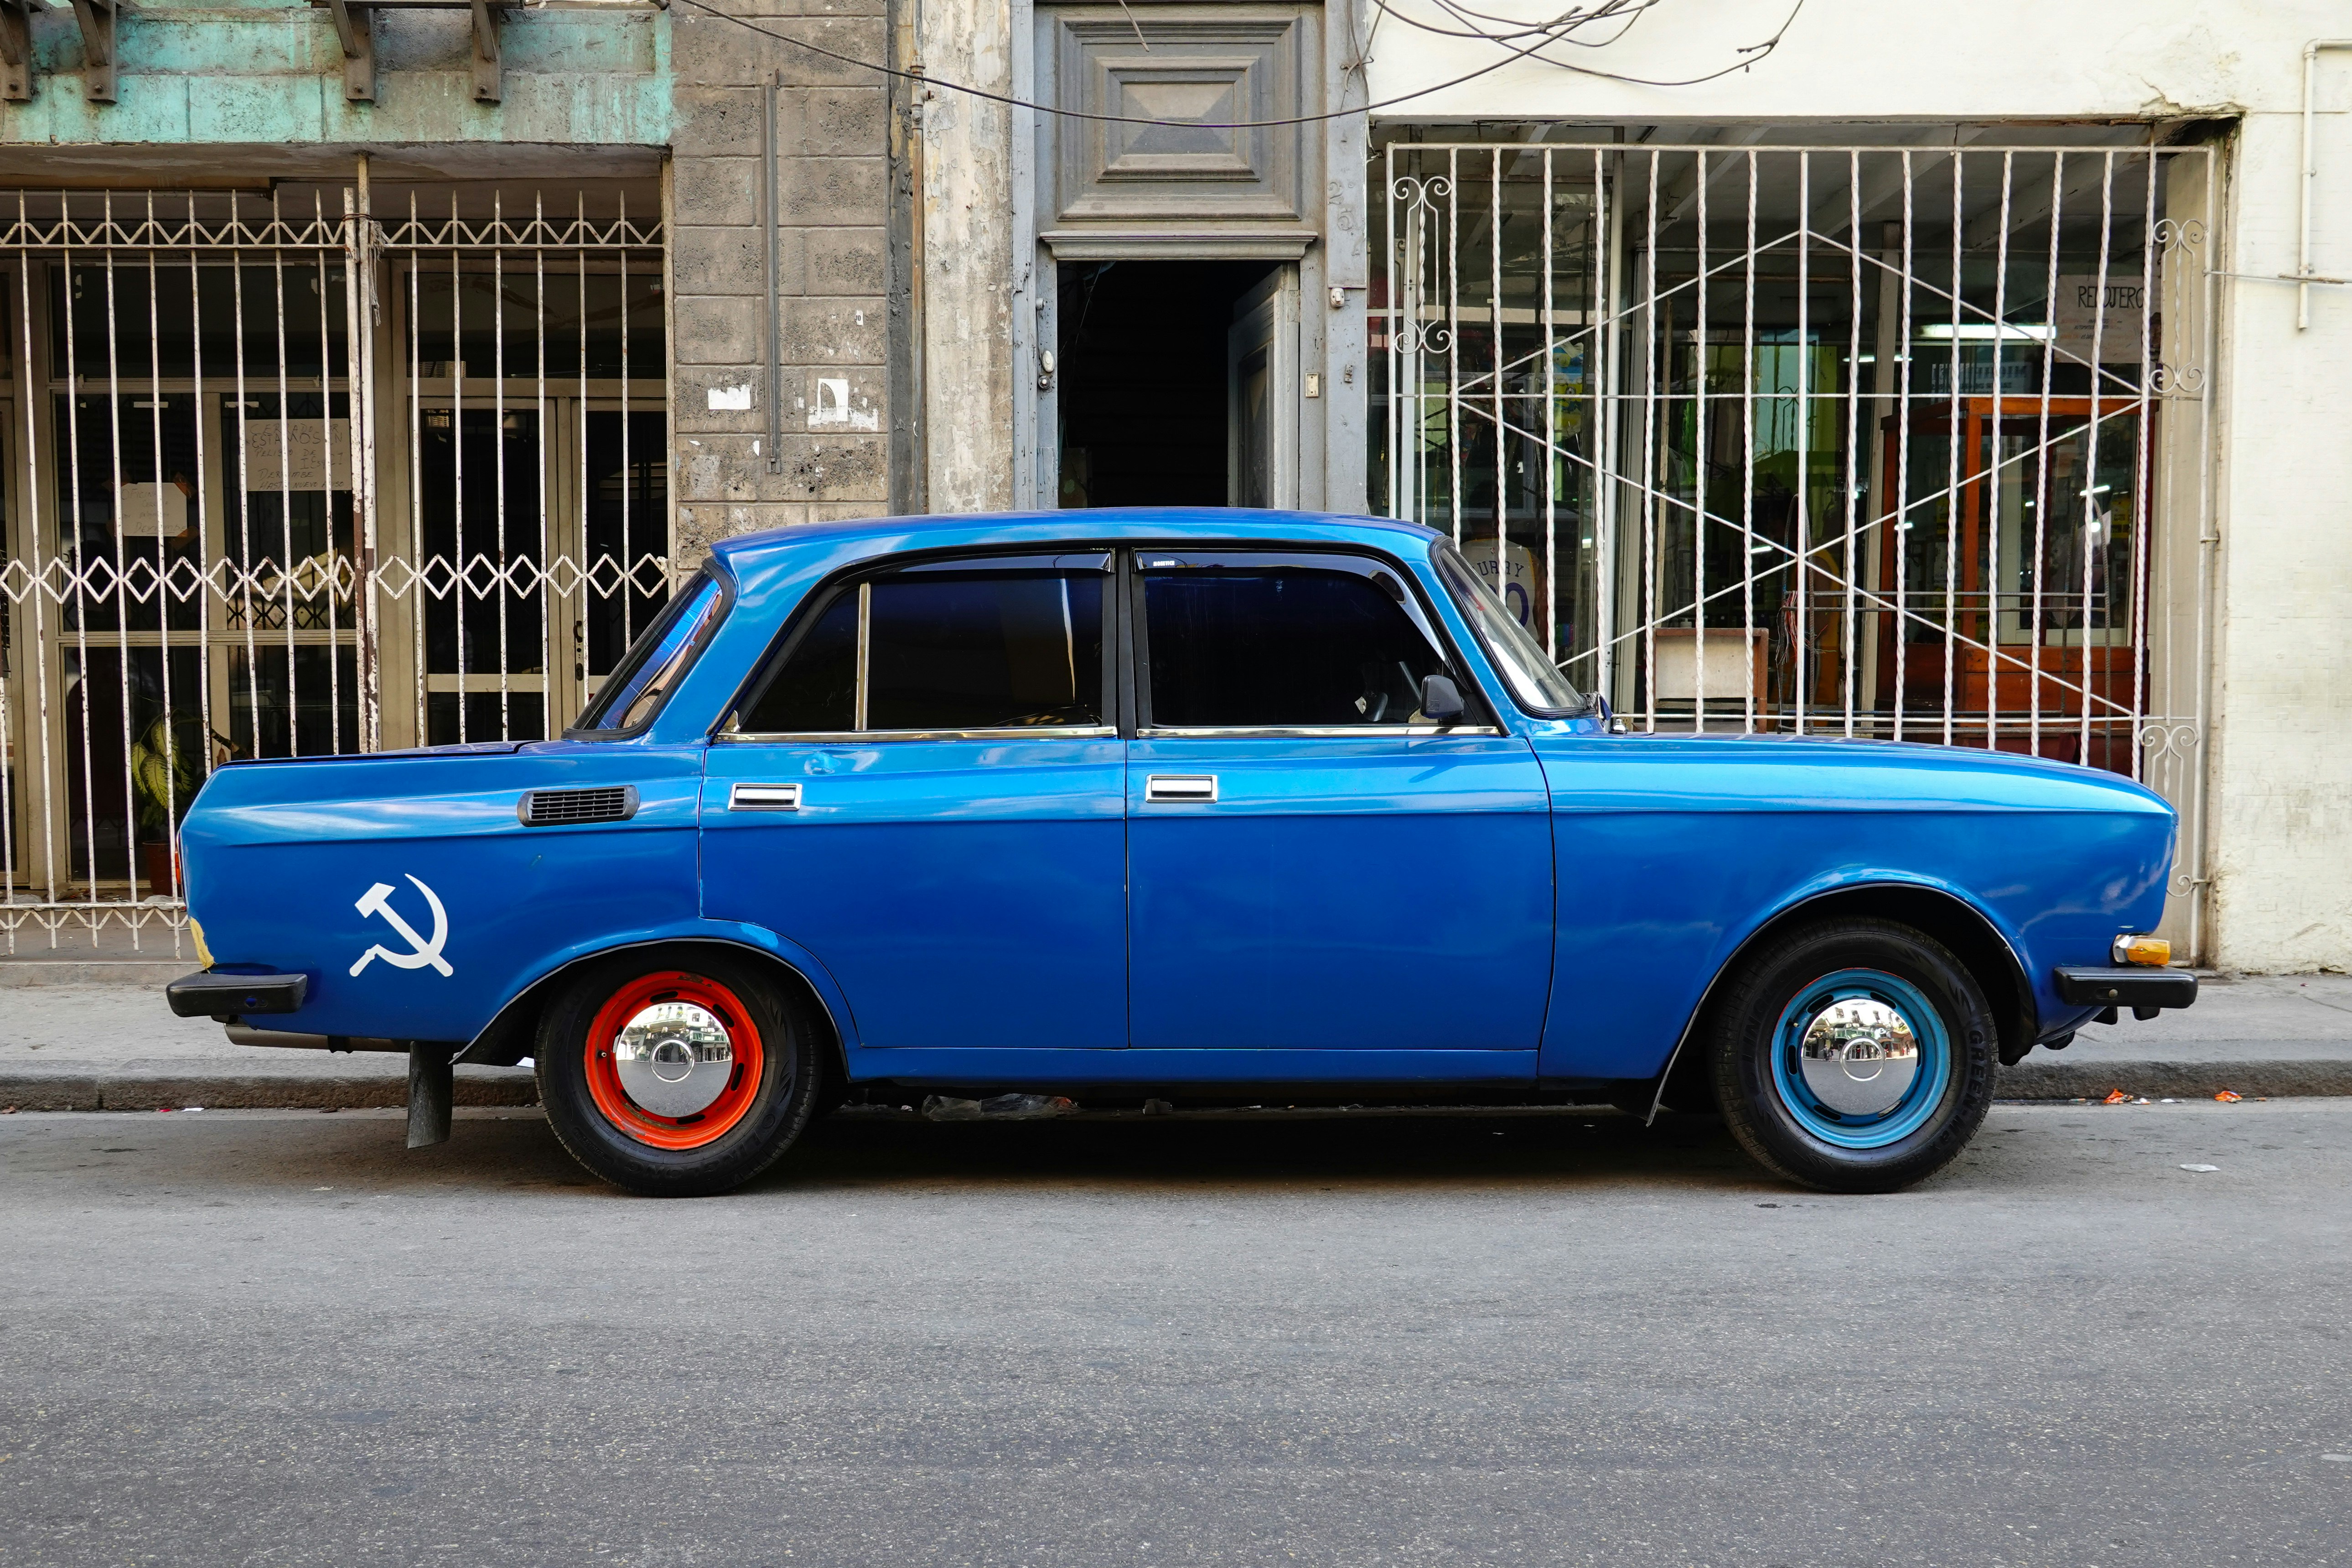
column 278, row 1338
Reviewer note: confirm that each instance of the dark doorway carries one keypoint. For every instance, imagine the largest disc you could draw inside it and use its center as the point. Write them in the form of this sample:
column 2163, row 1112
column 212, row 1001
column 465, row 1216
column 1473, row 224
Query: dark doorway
column 1143, row 378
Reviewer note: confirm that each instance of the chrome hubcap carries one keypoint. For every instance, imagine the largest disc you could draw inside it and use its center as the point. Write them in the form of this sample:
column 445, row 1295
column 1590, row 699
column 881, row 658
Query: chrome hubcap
column 1859, row 1057
column 673, row 1058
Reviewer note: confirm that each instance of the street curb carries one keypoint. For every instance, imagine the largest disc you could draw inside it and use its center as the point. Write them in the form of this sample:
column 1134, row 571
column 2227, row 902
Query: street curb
column 140, row 974
column 81, row 1091
column 71, row 1091
column 2254, row 1077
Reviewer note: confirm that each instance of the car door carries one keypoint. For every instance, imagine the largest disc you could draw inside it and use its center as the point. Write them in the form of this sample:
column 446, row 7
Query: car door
column 1312, row 864
column 923, row 790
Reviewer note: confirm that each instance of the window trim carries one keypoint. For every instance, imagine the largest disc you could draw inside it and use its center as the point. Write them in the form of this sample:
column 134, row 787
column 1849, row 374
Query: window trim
column 1430, row 625
column 860, row 578
column 720, row 614
column 1502, row 674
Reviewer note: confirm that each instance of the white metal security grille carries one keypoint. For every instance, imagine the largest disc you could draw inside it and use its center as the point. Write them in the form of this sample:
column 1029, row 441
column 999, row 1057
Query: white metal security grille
column 285, row 478
column 1893, row 442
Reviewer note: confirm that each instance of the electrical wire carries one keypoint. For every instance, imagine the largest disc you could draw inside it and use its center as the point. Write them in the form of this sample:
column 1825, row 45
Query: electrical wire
column 1512, row 57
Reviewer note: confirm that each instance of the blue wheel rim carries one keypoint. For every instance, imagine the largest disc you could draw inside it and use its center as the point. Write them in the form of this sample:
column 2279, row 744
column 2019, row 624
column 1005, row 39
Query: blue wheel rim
column 1848, row 1130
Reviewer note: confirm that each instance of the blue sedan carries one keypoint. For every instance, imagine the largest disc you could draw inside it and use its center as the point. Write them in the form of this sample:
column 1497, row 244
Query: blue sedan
column 1180, row 803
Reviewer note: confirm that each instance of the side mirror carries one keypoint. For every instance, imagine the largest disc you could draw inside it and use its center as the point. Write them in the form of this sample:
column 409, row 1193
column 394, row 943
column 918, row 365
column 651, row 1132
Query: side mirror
column 1440, row 700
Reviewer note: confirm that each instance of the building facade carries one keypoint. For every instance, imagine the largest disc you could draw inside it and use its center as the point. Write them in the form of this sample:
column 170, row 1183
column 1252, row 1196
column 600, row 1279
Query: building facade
column 1883, row 374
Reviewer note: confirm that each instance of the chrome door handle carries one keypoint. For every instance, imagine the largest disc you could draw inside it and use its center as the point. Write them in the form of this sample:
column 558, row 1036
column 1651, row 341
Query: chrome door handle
column 1171, row 788
column 763, row 797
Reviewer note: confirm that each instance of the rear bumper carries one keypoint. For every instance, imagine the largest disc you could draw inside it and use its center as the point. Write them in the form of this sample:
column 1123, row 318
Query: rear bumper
column 2141, row 987
column 211, row 995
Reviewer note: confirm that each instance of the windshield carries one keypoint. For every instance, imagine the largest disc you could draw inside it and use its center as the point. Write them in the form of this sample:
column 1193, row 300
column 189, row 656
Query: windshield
column 1536, row 682
column 632, row 693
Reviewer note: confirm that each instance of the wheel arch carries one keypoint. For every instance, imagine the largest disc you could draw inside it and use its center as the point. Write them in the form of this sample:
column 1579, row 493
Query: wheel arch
column 1990, row 957
column 508, row 1037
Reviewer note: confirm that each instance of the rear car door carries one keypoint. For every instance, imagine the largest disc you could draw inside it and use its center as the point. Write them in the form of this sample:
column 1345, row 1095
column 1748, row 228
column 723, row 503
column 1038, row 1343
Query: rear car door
column 1312, row 865
column 923, row 789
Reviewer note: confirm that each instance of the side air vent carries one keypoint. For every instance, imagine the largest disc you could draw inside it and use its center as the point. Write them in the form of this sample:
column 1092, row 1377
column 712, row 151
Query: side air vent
column 563, row 807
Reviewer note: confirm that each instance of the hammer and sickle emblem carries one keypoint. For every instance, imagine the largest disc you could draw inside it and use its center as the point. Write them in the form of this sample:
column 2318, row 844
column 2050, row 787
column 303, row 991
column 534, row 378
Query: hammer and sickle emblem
column 377, row 901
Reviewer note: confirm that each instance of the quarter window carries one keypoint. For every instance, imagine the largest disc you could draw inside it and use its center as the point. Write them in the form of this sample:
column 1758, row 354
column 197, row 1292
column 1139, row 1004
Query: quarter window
column 961, row 645
column 1287, row 643
column 656, row 661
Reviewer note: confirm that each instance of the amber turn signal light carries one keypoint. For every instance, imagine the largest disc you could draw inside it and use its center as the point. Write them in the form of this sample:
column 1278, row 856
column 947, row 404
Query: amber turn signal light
column 2143, row 950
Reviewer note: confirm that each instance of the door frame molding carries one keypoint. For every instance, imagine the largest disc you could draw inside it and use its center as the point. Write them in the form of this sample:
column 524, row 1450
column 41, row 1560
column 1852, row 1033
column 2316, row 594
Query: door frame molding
column 1329, row 458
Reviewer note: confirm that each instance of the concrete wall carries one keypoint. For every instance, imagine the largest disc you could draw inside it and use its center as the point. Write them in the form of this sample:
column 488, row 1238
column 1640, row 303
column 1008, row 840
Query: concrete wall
column 263, row 75
column 833, row 197
column 2279, row 753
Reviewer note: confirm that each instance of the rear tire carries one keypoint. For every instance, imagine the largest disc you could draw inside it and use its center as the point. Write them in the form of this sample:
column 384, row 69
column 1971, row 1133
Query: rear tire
column 753, row 1114
column 1855, row 1056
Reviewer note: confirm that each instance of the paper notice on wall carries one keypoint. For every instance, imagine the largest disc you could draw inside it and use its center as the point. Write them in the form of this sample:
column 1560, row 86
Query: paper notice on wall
column 2114, row 312
column 299, row 451
column 151, row 510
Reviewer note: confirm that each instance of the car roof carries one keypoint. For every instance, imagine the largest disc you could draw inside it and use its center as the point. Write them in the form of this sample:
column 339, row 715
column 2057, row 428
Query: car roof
column 748, row 553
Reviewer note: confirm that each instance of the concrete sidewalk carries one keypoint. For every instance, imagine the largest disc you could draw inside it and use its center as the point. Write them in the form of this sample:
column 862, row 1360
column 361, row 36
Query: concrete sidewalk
column 89, row 1031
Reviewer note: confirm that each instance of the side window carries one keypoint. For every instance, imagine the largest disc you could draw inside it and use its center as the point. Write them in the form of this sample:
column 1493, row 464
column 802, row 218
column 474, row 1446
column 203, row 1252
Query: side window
column 973, row 644
column 1288, row 642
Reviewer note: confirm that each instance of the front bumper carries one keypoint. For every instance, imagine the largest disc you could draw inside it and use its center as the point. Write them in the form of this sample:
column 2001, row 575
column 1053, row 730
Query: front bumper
column 211, row 995
column 2128, row 986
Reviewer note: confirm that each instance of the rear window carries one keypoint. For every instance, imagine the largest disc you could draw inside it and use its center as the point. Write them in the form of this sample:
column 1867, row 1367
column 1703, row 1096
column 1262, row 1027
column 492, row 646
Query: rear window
column 658, row 660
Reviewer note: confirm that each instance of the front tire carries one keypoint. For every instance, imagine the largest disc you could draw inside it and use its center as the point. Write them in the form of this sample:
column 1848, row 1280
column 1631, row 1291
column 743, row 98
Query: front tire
column 676, row 1078
column 1854, row 1056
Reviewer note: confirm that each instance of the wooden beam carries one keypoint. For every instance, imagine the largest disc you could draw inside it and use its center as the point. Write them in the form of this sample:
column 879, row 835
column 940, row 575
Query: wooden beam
column 16, row 78
column 356, row 32
column 97, row 18
column 487, row 86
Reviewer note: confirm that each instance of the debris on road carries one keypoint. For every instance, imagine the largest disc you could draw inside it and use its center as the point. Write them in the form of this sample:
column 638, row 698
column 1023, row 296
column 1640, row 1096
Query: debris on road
column 997, row 1108
column 2229, row 1095
column 2118, row 1096
column 2200, row 1167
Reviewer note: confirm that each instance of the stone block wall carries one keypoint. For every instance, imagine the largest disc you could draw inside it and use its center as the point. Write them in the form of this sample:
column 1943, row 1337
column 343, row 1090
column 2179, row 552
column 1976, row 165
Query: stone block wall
column 831, row 195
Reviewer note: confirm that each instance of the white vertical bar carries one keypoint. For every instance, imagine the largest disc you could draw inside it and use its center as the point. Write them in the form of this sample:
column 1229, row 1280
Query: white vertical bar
column 418, row 591
column 1453, row 338
column 1748, row 468
column 1952, row 473
column 285, row 493
column 80, row 570
column 1392, row 270
column 1900, row 510
column 204, row 562
column 628, row 473
column 1652, row 369
column 1849, row 652
column 1550, row 426
column 1494, row 335
column 1608, row 229
column 162, row 587
column 2143, row 471
column 1994, row 467
column 37, row 596
column 542, row 428
column 122, row 589
column 588, row 590
column 326, row 449
column 122, row 597
column 498, row 441
column 2091, row 439
column 458, row 455
column 2041, row 495
column 1699, row 518
column 1800, row 574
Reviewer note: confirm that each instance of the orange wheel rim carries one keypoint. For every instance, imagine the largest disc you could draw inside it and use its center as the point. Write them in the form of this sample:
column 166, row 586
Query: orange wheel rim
column 702, row 1126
